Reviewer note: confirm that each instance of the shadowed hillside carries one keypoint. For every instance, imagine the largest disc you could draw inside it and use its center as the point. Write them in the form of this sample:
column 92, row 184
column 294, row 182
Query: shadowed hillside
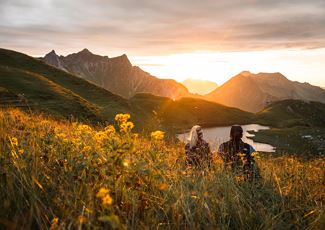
column 48, row 88
column 185, row 112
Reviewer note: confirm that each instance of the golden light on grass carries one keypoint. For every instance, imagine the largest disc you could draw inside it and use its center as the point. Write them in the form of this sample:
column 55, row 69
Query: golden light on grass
column 56, row 183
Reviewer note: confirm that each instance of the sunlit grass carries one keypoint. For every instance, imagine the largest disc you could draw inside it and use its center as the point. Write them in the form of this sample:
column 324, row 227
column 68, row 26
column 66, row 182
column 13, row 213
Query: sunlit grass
column 60, row 174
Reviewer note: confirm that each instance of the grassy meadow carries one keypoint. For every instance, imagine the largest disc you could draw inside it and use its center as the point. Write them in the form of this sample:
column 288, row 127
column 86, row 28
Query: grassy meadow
column 61, row 174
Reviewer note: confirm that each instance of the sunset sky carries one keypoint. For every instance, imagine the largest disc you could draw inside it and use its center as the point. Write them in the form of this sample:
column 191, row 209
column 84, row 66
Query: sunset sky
column 203, row 39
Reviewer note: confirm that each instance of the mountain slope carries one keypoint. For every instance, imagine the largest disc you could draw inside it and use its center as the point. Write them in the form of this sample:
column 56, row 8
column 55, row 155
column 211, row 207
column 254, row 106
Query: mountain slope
column 115, row 74
column 252, row 92
column 289, row 113
column 201, row 87
column 45, row 86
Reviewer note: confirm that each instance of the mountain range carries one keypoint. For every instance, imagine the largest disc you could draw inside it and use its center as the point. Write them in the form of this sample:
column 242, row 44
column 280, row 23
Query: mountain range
column 246, row 91
column 116, row 74
column 253, row 92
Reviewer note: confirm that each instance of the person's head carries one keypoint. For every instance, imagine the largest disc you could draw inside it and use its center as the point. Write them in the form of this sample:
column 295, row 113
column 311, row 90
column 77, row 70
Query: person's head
column 195, row 135
column 236, row 132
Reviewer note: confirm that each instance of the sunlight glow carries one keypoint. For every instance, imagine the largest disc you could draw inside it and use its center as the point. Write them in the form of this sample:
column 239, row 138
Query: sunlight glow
column 295, row 64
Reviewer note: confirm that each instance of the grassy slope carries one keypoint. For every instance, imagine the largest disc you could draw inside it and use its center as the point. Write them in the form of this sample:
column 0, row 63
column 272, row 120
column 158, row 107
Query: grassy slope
column 49, row 178
column 106, row 103
column 291, row 120
column 290, row 113
column 46, row 95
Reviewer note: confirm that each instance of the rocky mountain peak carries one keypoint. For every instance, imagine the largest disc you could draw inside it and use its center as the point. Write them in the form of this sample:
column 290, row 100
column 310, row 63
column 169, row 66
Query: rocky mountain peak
column 53, row 59
column 51, row 54
column 85, row 51
column 122, row 60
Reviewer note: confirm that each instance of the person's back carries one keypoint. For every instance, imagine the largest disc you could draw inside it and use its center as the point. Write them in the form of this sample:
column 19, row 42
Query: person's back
column 237, row 154
column 197, row 150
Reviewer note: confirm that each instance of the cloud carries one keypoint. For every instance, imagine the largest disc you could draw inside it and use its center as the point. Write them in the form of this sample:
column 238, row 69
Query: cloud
column 151, row 27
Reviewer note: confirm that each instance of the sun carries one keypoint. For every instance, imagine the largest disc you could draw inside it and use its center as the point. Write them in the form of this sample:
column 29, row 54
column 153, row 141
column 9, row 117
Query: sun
column 198, row 65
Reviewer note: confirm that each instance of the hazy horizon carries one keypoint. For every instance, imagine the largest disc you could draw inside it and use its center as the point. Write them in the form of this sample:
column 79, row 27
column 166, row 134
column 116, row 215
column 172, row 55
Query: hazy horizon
column 186, row 39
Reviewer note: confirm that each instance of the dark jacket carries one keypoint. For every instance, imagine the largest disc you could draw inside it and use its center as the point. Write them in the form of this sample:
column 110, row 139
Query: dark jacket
column 237, row 156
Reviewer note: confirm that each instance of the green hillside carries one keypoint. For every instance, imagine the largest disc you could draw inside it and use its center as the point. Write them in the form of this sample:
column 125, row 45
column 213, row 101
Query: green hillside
column 49, row 89
column 290, row 113
column 185, row 112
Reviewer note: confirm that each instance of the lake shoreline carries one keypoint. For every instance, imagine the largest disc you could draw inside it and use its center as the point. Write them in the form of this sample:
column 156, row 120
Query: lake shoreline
column 219, row 134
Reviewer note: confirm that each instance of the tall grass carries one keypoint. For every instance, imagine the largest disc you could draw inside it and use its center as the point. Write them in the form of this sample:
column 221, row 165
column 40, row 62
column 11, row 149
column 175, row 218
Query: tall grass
column 61, row 174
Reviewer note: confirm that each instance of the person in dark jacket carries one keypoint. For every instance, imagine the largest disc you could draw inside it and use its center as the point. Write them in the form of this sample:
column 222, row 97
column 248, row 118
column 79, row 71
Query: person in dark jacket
column 197, row 150
column 238, row 155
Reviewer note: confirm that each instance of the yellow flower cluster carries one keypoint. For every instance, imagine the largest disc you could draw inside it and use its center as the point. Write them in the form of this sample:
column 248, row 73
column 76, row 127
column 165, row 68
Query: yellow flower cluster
column 255, row 155
column 122, row 117
column 125, row 125
column 158, row 135
column 13, row 141
column 84, row 129
column 103, row 194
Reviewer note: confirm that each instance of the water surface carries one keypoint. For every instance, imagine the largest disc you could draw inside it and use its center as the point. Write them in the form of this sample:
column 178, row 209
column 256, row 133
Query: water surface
column 217, row 135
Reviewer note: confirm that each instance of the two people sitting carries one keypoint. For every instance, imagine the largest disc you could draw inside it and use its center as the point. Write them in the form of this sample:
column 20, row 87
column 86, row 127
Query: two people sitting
column 236, row 154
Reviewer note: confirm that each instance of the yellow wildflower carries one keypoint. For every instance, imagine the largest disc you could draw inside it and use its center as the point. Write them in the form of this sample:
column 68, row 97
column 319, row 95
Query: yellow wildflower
column 163, row 186
column 82, row 219
column 84, row 129
column 54, row 223
column 102, row 192
column 107, row 200
column 61, row 136
column 13, row 141
column 126, row 127
column 21, row 151
column 100, row 136
column 157, row 135
column 109, row 130
column 122, row 118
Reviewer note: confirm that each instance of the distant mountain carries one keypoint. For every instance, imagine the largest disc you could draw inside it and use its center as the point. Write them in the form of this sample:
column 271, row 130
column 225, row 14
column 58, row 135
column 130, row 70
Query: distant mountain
column 290, row 113
column 200, row 86
column 253, row 92
column 115, row 74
